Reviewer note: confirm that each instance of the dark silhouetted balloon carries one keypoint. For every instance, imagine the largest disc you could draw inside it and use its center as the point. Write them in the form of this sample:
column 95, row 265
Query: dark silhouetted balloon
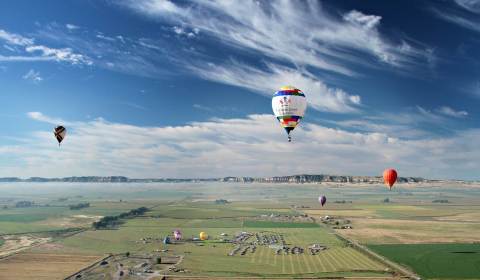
column 322, row 199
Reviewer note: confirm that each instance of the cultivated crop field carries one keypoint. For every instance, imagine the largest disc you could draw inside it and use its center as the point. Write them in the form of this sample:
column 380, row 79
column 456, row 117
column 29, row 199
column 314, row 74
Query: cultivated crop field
column 432, row 261
column 42, row 266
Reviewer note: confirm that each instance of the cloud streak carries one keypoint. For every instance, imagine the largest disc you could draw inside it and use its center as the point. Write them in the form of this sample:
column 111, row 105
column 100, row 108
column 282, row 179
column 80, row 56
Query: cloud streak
column 30, row 51
column 301, row 33
column 264, row 82
column 33, row 76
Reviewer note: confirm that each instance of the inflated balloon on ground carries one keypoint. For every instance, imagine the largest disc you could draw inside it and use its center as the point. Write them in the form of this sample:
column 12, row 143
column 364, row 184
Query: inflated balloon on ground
column 203, row 236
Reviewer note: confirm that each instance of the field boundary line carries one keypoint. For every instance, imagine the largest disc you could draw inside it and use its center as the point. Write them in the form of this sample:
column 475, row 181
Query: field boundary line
column 396, row 267
column 89, row 266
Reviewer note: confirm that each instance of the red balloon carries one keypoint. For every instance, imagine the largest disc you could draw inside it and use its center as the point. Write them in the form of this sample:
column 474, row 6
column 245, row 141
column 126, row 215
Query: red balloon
column 389, row 177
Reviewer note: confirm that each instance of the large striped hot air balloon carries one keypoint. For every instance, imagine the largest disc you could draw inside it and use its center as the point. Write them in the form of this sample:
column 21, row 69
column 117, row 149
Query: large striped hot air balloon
column 60, row 133
column 389, row 177
column 289, row 105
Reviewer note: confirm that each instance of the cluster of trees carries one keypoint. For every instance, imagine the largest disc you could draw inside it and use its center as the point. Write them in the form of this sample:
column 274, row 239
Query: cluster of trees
column 221, row 201
column 342, row 201
column 113, row 221
column 24, row 204
column 441, row 201
column 79, row 206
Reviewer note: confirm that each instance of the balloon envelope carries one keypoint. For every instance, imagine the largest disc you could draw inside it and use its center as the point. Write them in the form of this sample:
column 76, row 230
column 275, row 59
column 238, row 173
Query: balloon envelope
column 289, row 105
column 389, row 177
column 203, row 236
column 322, row 199
column 166, row 240
column 177, row 234
column 60, row 133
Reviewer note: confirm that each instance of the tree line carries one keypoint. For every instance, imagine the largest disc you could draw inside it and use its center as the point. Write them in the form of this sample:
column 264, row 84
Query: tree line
column 113, row 221
column 79, row 206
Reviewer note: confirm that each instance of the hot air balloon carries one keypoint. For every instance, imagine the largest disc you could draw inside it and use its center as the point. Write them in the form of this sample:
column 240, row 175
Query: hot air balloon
column 322, row 199
column 59, row 133
column 389, row 177
column 289, row 105
column 177, row 234
column 203, row 236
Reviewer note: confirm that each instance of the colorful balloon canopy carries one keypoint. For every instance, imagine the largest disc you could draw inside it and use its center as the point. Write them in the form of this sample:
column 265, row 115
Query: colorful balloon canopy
column 60, row 133
column 289, row 105
column 322, row 199
column 389, row 177
column 177, row 234
column 203, row 236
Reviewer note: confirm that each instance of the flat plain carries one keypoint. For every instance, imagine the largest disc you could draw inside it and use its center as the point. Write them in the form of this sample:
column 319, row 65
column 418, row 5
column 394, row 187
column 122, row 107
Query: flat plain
column 287, row 210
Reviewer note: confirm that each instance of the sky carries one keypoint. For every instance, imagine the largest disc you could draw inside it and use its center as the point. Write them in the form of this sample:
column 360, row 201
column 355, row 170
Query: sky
column 182, row 89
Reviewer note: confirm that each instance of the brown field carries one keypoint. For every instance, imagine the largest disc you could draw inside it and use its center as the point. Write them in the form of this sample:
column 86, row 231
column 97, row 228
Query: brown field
column 15, row 244
column 69, row 222
column 42, row 266
column 386, row 231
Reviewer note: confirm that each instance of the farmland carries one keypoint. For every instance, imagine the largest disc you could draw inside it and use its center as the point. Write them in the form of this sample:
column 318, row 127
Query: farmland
column 285, row 211
column 459, row 261
column 42, row 266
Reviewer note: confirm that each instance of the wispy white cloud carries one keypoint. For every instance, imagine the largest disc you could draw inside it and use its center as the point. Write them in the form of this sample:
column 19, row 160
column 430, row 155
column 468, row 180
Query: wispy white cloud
column 469, row 20
column 302, row 33
column 265, row 82
column 447, row 111
column 461, row 20
column 182, row 32
column 33, row 76
column 407, row 123
column 40, row 52
column 38, row 116
column 470, row 5
column 70, row 26
column 224, row 147
column 107, row 38
column 65, row 54
column 15, row 39
column 146, row 57
column 135, row 106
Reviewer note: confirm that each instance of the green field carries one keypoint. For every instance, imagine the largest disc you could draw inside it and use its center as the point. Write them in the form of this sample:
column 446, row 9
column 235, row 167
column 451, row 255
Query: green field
column 212, row 259
column 436, row 261
column 268, row 224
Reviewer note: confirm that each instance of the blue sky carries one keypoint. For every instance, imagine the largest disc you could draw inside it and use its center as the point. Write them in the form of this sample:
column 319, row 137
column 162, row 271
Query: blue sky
column 153, row 88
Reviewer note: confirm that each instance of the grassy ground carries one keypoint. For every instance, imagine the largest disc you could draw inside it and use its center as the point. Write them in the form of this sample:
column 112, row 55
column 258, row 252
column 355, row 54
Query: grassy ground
column 432, row 261
column 268, row 224
column 211, row 257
